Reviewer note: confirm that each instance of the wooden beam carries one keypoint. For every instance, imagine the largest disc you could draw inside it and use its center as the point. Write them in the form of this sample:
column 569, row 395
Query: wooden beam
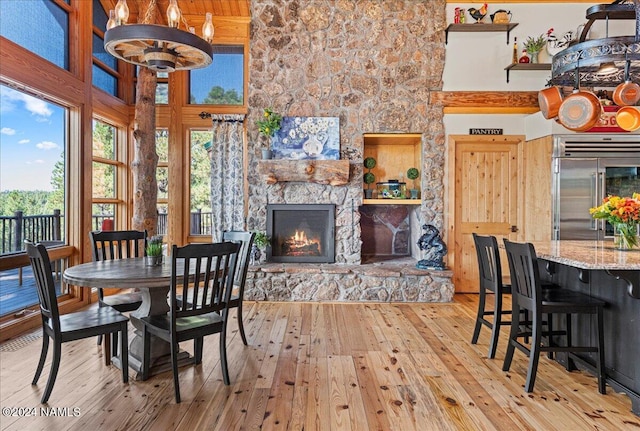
column 485, row 99
column 333, row 172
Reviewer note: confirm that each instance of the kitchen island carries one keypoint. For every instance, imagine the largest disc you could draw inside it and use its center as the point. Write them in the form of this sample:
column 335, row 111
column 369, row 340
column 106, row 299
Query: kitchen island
column 597, row 269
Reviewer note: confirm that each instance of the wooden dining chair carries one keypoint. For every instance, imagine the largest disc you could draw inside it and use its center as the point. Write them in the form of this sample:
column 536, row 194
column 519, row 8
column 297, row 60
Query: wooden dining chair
column 69, row 327
column 527, row 294
column 490, row 272
column 204, row 308
column 118, row 244
column 245, row 239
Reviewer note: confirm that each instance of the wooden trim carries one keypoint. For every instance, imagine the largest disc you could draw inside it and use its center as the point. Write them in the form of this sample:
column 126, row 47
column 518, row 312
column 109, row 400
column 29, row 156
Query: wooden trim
column 485, row 110
column 485, row 99
column 526, row 1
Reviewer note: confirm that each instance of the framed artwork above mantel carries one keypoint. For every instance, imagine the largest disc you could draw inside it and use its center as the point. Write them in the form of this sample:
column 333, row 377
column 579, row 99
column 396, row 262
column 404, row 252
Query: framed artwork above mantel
column 304, row 138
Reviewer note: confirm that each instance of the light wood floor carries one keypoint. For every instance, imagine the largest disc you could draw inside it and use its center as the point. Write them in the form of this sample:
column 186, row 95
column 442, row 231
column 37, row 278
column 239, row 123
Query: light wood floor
column 321, row 366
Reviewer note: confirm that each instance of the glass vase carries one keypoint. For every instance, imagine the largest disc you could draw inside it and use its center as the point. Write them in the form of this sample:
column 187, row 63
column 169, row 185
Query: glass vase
column 534, row 57
column 625, row 236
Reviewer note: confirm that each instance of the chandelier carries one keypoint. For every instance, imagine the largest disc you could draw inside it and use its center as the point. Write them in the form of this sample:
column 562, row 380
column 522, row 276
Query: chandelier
column 601, row 62
column 160, row 48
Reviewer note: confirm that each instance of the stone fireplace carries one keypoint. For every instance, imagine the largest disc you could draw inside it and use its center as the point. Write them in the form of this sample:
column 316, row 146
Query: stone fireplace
column 313, row 59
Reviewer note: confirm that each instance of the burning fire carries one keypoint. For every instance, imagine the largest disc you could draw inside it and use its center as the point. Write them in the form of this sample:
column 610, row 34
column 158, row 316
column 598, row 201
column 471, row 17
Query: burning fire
column 301, row 245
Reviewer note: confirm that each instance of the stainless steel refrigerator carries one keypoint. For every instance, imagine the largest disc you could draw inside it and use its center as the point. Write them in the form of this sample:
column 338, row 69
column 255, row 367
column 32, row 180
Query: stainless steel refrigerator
column 586, row 169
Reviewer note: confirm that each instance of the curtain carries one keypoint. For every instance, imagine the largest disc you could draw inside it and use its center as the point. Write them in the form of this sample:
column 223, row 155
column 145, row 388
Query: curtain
column 227, row 188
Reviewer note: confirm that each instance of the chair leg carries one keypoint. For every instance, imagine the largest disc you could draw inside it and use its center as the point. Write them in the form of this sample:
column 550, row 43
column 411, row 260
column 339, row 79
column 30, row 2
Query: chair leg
column 174, row 366
column 602, row 386
column 43, row 358
column 497, row 322
column 223, row 351
column 479, row 316
column 241, row 324
column 197, row 350
column 55, row 365
column 99, row 339
column 513, row 336
column 114, row 344
column 124, row 353
column 534, row 352
column 570, row 366
column 107, row 350
column 146, row 351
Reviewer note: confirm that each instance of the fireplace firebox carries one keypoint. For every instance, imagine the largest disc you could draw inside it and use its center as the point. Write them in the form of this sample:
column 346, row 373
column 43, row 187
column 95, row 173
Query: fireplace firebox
column 302, row 233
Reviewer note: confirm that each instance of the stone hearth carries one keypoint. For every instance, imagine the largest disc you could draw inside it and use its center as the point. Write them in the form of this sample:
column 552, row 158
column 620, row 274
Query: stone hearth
column 399, row 281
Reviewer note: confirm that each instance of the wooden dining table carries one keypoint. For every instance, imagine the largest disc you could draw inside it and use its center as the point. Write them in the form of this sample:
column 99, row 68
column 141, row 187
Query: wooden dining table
column 153, row 284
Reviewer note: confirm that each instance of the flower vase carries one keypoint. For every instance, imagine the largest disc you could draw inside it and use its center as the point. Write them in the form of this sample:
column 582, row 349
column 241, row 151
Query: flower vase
column 625, row 236
column 534, row 57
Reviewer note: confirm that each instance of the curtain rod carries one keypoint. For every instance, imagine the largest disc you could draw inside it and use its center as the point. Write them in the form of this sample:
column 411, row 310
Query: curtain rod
column 232, row 118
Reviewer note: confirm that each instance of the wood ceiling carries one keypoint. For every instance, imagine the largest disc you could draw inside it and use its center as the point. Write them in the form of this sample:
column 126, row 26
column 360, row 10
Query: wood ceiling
column 192, row 10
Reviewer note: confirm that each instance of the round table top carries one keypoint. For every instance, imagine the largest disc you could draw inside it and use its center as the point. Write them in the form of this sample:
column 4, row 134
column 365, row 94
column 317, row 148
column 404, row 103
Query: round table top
column 120, row 273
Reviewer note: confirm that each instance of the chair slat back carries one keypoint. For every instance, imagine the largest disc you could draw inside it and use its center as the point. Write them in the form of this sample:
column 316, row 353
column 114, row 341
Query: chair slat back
column 118, row 244
column 245, row 239
column 208, row 289
column 525, row 278
column 41, row 266
column 489, row 267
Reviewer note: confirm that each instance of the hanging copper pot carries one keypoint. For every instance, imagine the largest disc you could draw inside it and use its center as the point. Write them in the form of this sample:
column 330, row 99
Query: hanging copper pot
column 580, row 111
column 549, row 100
column 628, row 118
column 627, row 93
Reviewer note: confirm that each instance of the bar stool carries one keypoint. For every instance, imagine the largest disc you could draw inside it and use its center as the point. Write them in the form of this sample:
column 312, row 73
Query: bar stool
column 490, row 281
column 527, row 294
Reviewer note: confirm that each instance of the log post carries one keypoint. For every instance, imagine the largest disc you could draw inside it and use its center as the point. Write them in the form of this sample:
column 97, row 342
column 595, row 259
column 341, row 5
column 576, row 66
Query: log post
column 145, row 158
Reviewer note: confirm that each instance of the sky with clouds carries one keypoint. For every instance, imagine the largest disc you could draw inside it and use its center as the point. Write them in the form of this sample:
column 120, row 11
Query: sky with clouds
column 31, row 140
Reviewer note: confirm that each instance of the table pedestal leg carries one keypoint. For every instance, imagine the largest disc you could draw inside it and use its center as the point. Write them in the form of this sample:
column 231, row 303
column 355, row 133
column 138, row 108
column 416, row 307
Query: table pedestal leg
column 154, row 302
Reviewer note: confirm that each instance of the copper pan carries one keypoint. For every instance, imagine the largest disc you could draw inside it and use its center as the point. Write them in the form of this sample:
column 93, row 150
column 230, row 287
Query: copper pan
column 549, row 100
column 628, row 118
column 580, row 111
column 627, row 93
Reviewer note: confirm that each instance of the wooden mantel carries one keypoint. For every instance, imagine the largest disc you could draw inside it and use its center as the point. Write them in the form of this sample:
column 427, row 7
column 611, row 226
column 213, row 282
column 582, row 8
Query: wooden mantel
column 332, row 172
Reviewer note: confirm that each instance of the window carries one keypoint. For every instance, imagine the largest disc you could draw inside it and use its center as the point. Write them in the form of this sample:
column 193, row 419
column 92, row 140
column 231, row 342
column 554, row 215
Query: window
column 105, row 66
column 105, row 186
column 33, row 149
column 200, row 184
column 45, row 33
column 162, row 176
column 222, row 83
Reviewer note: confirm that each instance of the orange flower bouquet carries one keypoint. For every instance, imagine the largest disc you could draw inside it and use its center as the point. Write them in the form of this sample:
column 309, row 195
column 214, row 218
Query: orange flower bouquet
column 624, row 215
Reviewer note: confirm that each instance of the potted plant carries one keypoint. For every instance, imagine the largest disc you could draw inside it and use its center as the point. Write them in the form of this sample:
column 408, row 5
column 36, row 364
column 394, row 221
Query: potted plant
column 268, row 126
column 413, row 174
column 153, row 252
column 260, row 242
column 369, row 178
column 533, row 46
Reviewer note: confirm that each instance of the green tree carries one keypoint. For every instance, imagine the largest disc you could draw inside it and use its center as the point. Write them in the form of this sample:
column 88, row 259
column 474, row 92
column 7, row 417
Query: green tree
column 200, row 172
column 219, row 96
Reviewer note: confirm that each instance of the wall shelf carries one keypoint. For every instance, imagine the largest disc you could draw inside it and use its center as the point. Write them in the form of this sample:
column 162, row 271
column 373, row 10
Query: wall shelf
column 527, row 66
column 478, row 28
column 391, row 202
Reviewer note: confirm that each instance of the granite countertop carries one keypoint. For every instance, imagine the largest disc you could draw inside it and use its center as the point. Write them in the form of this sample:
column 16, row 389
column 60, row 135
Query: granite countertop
column 588, row 254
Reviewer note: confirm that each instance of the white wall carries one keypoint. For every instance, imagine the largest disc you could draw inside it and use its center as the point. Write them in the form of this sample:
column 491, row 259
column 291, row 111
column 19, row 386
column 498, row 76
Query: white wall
column 476, row 61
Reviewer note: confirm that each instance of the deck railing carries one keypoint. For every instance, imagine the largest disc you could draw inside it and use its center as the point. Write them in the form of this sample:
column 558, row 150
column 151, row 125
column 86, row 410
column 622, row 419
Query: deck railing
column 50, row 227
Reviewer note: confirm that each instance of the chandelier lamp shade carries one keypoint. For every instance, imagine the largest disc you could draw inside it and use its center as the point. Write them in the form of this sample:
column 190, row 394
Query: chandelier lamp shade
column 162, row 48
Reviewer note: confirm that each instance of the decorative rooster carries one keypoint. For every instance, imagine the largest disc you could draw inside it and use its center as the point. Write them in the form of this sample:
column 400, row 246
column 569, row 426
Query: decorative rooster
column 556, row 44
column 478, row 14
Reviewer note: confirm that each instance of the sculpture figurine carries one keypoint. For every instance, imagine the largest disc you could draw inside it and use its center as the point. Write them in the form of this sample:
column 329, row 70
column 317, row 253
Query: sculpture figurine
column 433, row 247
